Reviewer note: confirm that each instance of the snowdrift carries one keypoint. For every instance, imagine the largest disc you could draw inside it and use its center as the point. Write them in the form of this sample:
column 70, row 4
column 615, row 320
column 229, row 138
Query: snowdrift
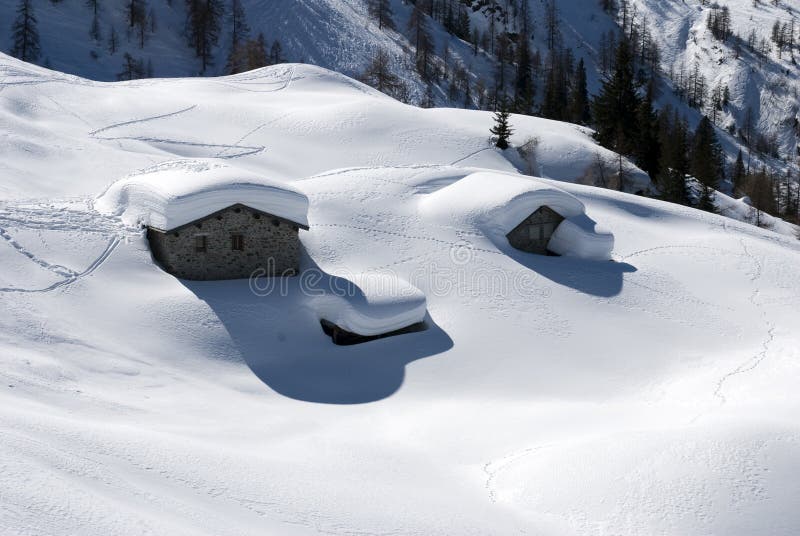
column 172, row 194
column 496, row 203
column 371, row 304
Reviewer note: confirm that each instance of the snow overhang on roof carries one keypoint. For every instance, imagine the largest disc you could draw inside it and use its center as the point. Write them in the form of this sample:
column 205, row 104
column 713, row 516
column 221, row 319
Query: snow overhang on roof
column 174, row 194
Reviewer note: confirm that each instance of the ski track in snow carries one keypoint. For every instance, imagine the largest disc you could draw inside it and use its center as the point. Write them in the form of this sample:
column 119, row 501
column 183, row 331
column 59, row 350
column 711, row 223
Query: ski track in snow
column 243, row 150
column 44, row 216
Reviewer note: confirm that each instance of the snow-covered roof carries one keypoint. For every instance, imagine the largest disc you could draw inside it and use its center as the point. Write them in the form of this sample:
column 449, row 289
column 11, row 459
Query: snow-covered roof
column 173, row 194
column 499, row 202
column 371, row 303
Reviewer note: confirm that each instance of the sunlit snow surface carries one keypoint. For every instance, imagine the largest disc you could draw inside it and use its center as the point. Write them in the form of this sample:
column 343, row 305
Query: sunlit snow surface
column 655, row 394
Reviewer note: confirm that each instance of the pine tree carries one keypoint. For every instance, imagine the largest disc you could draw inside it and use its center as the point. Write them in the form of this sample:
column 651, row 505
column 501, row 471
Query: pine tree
column 616, row 105
column 381, row 10
column 502, row 129
column 674, row 164
column 706, row 162
column 648, row 149
column 738, row 173
column 240, row 30
column 706, row 159
column 579, row 111
column 113, row 41
column 25, row 35
column 203, row 23
column 523, row 85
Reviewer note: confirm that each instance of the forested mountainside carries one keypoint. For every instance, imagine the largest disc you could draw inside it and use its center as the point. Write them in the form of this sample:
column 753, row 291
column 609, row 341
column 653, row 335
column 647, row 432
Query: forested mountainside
column 666, row 65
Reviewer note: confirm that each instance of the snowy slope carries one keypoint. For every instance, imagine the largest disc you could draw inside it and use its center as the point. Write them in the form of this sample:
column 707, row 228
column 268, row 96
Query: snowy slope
column 292, row 120
column 655, row 394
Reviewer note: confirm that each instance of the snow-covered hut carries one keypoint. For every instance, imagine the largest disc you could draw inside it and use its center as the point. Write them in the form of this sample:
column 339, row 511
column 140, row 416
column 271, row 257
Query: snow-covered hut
column 531, row 214
column 208, row 221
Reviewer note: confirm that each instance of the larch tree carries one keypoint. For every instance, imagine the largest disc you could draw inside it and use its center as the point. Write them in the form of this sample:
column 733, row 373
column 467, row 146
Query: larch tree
column 381, row 10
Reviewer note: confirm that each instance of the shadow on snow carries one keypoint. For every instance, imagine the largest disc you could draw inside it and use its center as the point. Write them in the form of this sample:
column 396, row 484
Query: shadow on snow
column 281, row 340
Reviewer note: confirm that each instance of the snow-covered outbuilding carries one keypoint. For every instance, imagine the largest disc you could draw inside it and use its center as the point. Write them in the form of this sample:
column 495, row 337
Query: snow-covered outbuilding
column 531, row 214
column 206, row 220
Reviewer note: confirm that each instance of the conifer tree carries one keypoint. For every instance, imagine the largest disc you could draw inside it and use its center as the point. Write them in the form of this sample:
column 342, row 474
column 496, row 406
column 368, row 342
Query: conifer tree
column 502, row 129
column 706, row 162
column 674, row 164
column 706, row 158
column 616, row 105
column 203, row 25
column 738, row 172
column 579, row 111
column 240, row 30
column 648, row 149
column 24, row 33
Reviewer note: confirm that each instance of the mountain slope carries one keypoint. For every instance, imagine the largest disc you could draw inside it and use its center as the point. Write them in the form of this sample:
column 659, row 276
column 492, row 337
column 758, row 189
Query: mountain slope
column 655, row 394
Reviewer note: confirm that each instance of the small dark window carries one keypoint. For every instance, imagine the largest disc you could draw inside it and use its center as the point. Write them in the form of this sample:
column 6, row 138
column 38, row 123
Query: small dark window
column 219, row 217
column 237, row 242
column 198, row 225
column 256, row 216
column 200, row 243
column 237, row 210
column 276, row 222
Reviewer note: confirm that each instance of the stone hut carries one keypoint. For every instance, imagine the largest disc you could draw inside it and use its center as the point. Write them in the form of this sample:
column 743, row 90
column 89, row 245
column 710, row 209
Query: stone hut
column 232, row 243
column 208, row 220
column 534, row 232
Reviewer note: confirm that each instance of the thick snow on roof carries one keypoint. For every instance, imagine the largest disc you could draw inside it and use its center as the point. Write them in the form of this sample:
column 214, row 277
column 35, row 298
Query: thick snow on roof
column 175, row 193
column 498, row 202
column 371, row 303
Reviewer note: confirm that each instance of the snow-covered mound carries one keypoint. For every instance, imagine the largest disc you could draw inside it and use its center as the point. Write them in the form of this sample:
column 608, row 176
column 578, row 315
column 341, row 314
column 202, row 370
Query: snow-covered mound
column 497, row 202
column 371, row 303
column 172, row 194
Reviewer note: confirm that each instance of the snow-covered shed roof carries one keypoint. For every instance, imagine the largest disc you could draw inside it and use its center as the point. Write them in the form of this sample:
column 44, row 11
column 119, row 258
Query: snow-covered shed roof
column 498, row 202
column 172, row 194
column 371, row 304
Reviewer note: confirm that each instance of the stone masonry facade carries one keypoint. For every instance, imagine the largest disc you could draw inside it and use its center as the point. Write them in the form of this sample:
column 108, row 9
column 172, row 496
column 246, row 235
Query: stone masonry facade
column 533, row 234
column 230, row 244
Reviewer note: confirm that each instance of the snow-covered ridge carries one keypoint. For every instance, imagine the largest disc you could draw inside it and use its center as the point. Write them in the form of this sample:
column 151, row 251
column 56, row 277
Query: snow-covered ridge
column 173, row 194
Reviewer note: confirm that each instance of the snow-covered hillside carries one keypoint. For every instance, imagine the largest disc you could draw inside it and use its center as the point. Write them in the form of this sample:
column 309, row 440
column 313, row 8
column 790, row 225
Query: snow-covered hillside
column 655, row 394
column 341, row 36
column 768, row 85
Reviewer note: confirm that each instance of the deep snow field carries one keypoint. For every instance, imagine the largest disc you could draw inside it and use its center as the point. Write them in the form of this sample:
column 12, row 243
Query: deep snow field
column 654, row 395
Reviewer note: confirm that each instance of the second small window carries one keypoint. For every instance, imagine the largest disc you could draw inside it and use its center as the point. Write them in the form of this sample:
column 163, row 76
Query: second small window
column 237, row 242
column 200, row 243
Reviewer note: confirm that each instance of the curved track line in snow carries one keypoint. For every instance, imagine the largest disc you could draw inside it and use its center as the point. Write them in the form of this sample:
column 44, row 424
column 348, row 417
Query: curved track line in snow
column 94, row 133
column 242, row 150
column 494, row 468
column 62, row 271
column 74, row 276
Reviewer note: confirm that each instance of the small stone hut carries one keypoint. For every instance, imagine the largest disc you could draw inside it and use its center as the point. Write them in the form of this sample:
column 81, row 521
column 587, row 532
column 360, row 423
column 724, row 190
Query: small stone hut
column 534, row 232
column 232, row 243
